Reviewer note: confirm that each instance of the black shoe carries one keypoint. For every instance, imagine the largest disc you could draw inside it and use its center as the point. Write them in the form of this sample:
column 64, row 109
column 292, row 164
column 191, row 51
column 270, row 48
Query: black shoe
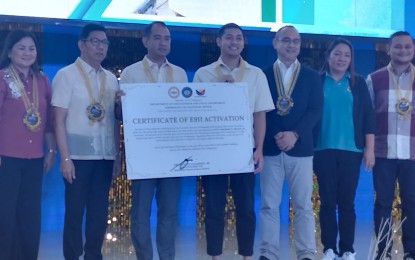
column 306, row 258
column 263, row 258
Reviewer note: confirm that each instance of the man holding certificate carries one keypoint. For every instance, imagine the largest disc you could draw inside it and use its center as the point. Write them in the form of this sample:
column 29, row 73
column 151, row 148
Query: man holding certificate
column 230, row 67
column 154, row 68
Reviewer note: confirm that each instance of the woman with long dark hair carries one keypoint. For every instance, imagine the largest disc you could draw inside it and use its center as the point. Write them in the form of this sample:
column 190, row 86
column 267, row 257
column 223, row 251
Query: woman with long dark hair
column 25, row 126
column 345, row 138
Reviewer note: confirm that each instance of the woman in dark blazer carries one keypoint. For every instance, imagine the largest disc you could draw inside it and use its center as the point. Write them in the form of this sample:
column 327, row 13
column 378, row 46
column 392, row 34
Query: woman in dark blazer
column 346, row 137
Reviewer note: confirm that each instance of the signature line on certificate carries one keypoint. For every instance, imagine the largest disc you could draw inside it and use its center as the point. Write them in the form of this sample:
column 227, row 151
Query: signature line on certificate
column 183, row 164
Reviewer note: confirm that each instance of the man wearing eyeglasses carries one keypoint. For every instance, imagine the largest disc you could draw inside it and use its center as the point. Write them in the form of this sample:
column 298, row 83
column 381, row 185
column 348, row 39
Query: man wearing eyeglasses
column 83, row 104
column 288, row 147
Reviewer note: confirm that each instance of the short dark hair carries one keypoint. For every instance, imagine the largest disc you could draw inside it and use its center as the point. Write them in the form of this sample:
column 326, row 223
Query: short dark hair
column 147, row 30
column 12, row 38
column 330, row 48
column 87, row 29
column 397, row 34
column 222, row 29
column 283, row 28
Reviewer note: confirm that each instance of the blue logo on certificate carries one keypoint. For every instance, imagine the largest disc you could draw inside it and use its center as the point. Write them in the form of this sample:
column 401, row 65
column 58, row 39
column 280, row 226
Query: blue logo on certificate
column 187, row 92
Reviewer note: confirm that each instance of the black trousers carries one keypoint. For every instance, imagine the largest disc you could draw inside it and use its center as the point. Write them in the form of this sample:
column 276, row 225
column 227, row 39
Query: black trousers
column 216, row 187
column 337, row 176
column 385, row 174
column 88, row 192
column 20, row 197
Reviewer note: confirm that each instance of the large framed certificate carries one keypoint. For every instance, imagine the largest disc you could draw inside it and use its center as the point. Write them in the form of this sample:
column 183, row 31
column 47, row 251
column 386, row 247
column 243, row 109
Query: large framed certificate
column 186, row 129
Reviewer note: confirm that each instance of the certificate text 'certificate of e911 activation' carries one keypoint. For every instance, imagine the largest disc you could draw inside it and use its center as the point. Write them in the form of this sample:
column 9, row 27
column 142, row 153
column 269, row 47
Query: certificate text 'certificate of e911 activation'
column 186, row 129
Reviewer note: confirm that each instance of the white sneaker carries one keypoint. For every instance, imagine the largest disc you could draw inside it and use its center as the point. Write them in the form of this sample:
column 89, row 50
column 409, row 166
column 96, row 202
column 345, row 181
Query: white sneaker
column 348, row 256
column 408, row 256
column 329, row 255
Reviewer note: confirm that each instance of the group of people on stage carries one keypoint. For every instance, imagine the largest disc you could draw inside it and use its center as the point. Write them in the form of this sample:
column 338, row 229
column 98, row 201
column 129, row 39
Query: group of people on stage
column 303, row 121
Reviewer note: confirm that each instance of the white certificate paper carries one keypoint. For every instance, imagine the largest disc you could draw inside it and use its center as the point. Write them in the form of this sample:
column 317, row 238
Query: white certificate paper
column 186, row 129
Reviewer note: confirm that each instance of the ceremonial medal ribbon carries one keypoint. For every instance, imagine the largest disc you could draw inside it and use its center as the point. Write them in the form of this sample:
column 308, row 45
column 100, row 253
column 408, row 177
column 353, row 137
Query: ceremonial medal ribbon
column 150, row 76
column 94, row 104
column 240, row 75
column 402, row 100
column 32, row 108
column 284, row 97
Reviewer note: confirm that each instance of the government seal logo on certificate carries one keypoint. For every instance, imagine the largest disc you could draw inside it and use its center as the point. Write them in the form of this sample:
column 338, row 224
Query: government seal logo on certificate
column 186, row 129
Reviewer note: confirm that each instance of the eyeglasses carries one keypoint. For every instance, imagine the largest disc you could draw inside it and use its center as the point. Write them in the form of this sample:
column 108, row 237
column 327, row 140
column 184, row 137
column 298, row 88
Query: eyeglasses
column 95, row 42
column 287, row 41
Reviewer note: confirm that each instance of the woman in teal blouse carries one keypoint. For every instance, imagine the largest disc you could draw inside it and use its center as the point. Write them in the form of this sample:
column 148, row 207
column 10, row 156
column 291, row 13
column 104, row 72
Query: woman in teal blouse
column 346, row 137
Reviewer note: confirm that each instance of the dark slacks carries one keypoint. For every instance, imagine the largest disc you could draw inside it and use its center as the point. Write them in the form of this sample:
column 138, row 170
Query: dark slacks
column 216, row 187
column 337, row 175
column 166, row 192
column 385, row 174
column 88, row 192
column 20, row 197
